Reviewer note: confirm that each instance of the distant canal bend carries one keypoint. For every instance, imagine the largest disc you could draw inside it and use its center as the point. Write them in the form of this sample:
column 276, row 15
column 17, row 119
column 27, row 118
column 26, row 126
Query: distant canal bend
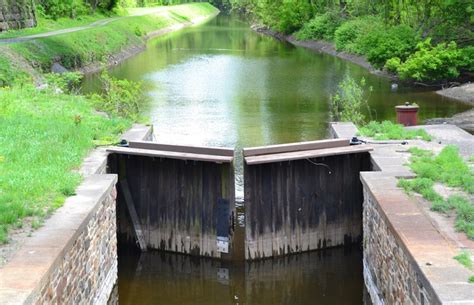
column 221, row 84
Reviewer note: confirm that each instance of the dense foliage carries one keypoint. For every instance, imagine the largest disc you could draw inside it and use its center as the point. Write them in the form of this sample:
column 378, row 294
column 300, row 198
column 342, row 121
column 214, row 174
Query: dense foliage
column 442, row 61
column 321, row 26
column 73, row 8
column 385, row 32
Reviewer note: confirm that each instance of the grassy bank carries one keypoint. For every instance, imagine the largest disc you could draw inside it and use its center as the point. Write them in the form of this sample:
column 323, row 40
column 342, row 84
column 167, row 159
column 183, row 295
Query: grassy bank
column 95, row 45
column 44, row 137
column 46, row 25
column 45, row 134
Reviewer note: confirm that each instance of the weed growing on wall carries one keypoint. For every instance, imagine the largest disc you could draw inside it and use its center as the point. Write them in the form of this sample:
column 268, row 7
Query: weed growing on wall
column 448, row 168
column 387, row 130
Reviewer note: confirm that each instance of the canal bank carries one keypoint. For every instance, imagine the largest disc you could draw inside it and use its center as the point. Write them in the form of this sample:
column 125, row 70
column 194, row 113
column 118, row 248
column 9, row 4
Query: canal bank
column 407, row 257
column 195, row 272
column 459, row 92
column 408, row 250
column 90, row 48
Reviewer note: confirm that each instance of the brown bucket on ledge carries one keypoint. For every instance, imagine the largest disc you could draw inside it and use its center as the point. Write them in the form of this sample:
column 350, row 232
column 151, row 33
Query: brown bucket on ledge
column 407, row 114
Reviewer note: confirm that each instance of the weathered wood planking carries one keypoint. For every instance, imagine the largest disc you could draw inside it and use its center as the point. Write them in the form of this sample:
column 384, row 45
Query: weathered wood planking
column 297, row 205
column 171, row 155
column 184, row 149
column 176, row 201
column 293, row 147
column 314, row 153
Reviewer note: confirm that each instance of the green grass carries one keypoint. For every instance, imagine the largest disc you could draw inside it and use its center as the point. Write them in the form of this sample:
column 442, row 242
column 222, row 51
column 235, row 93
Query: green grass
column 47, row 25
column 77, row 49
column 9, row 71
column 390, row 131
column 41, row 143
column 448, row 168
column 464, row 258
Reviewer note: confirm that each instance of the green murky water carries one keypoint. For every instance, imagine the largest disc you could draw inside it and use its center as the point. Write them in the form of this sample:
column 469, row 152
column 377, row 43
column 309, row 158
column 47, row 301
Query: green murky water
column 221, row 84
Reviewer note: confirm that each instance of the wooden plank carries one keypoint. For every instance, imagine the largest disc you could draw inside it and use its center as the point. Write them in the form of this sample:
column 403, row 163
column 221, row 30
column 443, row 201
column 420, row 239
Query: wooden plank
column 133, row 214
column 298, row 155
column 170, row 155
column 218, row 151
column 293, row 147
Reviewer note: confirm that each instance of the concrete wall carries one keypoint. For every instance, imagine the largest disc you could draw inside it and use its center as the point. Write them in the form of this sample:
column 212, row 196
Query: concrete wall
column 17, row 14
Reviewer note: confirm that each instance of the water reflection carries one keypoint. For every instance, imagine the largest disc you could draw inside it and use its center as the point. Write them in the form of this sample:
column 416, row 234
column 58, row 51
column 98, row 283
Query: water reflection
column 324, row 277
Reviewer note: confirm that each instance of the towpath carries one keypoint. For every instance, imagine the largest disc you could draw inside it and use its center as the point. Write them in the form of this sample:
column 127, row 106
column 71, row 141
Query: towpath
column 98, row 23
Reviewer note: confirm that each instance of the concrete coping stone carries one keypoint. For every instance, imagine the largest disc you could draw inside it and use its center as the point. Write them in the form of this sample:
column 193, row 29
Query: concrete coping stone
column 29, row 269
column 96, row 161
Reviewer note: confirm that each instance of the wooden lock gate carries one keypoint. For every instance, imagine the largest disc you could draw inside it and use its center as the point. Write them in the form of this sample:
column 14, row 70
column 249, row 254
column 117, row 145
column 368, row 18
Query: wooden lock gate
column 175, row 198
column 298, row 197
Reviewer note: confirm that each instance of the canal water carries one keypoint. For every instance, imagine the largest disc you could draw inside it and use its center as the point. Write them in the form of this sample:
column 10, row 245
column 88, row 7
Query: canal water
column 221, row 84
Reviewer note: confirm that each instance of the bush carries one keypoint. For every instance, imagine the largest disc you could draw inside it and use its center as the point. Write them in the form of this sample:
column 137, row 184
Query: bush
column 431, row 63
column 285, row 16
column 347, row 103
column 69, row 82
column 119, row 97
column 385, row 43
column 348, row 36
column 467, row 61
column 320, row 27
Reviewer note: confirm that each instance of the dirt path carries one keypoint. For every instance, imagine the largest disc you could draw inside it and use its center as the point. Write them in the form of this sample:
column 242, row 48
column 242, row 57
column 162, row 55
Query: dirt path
column 95, row 24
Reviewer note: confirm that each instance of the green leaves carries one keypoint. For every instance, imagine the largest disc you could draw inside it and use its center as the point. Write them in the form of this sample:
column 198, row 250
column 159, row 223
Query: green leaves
column 431, row 63
column 348, row 102
column 321, row 27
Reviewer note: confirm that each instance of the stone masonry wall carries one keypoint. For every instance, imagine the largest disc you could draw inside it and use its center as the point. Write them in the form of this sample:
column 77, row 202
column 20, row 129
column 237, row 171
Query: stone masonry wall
column 390, row 273
column 17, row 14
column 89, row 264
column 72, row 259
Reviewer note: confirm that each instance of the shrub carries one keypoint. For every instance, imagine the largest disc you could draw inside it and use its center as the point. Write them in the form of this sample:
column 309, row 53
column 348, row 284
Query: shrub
column 385, row 43
column 348, row 102
column 393, row 64
column 285, row 16
column 69, row 82
column 442, row 61
column 320, row 27
column 467, row 59
column 119, row 97
column 348, row 36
